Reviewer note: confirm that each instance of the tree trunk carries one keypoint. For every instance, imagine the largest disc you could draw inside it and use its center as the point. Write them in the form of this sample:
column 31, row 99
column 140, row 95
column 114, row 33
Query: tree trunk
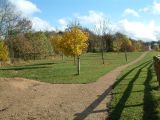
column 78, row 65
column 102, row 50
column 62, row 57
column 102, row 56
column 126, row 55
column 74, row 60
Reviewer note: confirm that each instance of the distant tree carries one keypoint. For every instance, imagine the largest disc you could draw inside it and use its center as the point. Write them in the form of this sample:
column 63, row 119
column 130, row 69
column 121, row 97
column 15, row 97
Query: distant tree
column 11, row 23
column 122, row 43
column 22, row 47
column 102, row 29
column 40, row 44
column 117, row 43
column 136, row 46
column 108, row 42
column 56, row 42
column 93, row 42
column 4, row 55
column 74, row 42
column 126, row 44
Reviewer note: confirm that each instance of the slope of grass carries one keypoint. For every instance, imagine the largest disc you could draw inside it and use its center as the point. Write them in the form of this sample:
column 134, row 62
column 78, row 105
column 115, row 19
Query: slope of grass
column 58, row 71
column 135, row 94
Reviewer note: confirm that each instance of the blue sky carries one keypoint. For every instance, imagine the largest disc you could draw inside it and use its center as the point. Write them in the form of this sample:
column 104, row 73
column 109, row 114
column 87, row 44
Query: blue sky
column 138, row 19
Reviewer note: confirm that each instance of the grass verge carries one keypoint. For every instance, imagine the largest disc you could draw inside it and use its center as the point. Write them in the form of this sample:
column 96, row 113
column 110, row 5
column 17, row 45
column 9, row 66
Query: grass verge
column 135, row 94
column 58, row 71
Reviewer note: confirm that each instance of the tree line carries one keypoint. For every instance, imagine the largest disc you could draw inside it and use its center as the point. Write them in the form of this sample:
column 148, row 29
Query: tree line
column 19, row 41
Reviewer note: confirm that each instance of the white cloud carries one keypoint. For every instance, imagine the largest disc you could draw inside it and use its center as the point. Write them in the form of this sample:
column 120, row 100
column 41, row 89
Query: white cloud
column 25, row 6
column 135, row 29
column 145, row 9
column 138, row 30
column 63, row 23
column 39, row 24
column 28, row 9
column 130, row 11
column 156, row 8
column 93, row 17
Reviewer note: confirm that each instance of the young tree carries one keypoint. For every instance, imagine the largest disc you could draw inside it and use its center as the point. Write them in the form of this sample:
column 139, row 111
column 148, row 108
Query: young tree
column 73, row 24
column 102, row 29
column 126, row 44
column 74, row 42
column 122, row 43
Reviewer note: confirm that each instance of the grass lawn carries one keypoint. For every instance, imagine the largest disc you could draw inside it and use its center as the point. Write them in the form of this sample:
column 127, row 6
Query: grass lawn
column 135, row 94
column 58, row 71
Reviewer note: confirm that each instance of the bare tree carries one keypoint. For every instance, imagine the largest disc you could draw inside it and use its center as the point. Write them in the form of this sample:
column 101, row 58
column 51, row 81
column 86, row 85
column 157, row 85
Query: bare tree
column 11, row 23
column 103, row 28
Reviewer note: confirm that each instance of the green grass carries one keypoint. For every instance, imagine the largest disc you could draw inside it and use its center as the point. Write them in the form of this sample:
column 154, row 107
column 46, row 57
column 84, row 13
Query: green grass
column 135, row 94
column 58, row 71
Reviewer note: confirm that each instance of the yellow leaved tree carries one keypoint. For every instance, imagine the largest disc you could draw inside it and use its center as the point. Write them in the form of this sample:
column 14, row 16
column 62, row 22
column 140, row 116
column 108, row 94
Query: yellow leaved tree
column 56, row 42
column 3, row 52
column 74, row 42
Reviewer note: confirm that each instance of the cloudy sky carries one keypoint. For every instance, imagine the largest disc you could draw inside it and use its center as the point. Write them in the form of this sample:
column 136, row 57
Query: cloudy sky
column 138, row 19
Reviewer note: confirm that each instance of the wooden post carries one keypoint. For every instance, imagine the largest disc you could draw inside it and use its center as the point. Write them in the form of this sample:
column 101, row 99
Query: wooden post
column 158, row 73
column 157, row 68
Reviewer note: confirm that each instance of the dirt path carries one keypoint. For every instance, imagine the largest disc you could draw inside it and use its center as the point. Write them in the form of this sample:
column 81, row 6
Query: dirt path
column 22, row 99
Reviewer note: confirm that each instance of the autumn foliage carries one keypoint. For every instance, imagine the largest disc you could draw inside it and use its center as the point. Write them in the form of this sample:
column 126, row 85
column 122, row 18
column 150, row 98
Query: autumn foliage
column 74, row 42
column 56, row 42
column 3, row 52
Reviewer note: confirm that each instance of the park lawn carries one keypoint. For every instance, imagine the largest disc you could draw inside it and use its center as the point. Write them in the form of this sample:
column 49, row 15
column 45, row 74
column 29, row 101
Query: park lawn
column 58, row 71
column 135, row 94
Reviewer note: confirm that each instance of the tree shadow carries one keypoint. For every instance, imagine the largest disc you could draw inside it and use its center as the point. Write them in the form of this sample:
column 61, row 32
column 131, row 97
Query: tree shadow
column 96, row 102
column 138, row 91
column 27, row 67
column 126, row 74
column 23, row 68
column 41, row 64
column 149, row 102
column 92, row 106
column 116, row 113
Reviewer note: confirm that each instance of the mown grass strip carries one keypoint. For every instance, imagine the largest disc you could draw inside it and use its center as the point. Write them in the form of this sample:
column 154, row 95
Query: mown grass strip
column 135, row 94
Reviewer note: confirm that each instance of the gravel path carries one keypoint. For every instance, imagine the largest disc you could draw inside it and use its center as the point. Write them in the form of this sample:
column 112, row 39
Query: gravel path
column 22, row 99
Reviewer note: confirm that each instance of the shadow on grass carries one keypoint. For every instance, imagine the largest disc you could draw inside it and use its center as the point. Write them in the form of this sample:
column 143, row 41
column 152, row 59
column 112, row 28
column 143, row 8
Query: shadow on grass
column 126, row 74
column 23, row 68
column 116, row 113
column 27, row 67
column 41, row 64
column 139, row 91
column 149, row 102
column 92, row 106
column 96, row 102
